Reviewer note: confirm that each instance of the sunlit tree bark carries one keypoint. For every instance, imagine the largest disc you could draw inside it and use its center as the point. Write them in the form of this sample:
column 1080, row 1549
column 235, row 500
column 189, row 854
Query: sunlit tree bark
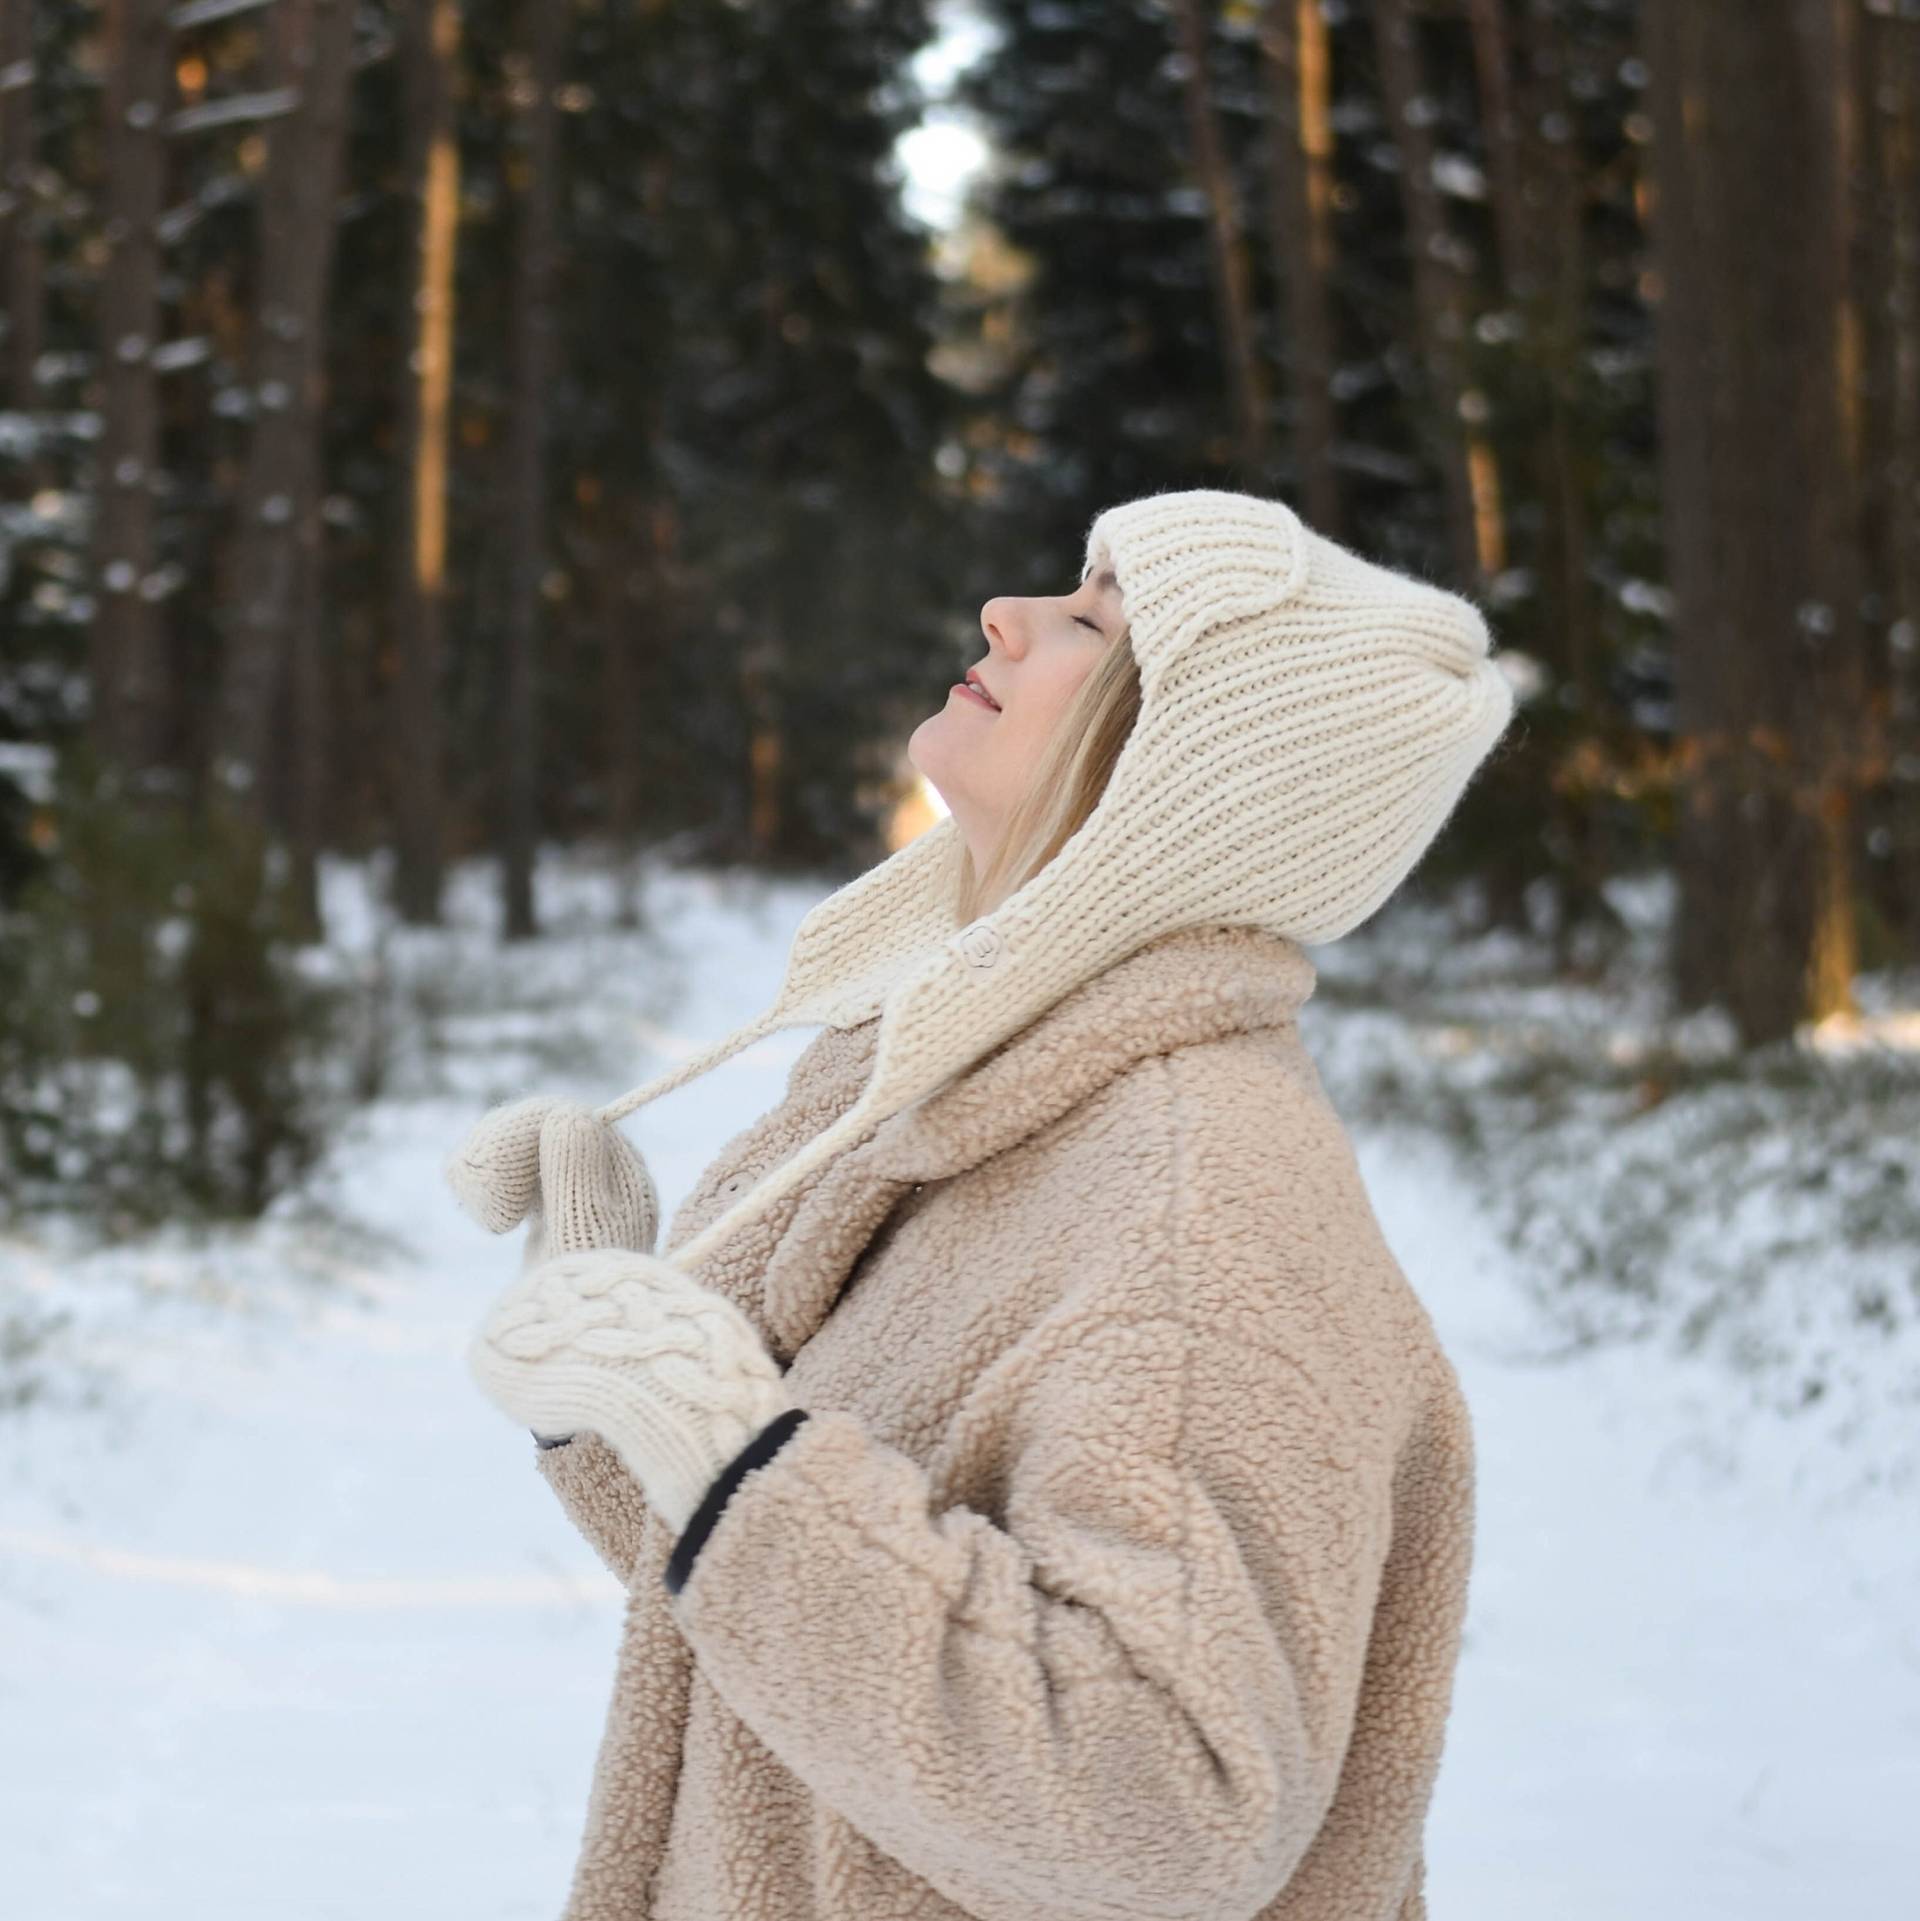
column 1299, row 75
column 430, row 40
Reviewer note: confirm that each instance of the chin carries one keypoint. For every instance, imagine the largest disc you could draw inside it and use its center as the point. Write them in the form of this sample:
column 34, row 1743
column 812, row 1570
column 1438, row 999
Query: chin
column 926, row 754
column 923, row 746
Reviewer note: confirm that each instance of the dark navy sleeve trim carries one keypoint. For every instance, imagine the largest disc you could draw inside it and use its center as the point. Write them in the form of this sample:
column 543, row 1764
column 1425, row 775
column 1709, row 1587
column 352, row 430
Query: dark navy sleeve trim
column 757, row 1452
column 551, row 1440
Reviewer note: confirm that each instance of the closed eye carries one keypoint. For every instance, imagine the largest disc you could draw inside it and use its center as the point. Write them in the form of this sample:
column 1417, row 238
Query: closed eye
column 1094, row 624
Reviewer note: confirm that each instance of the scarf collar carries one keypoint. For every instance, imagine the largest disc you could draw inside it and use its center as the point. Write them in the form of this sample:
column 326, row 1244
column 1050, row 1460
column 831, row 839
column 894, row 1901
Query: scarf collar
column 1193, row 985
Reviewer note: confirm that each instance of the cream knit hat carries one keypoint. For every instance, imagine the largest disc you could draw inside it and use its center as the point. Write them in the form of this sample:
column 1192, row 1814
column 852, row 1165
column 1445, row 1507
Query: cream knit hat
column 1308, row 722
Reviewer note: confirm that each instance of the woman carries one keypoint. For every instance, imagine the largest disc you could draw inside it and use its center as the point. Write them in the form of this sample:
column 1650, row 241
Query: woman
column 1040, row 1494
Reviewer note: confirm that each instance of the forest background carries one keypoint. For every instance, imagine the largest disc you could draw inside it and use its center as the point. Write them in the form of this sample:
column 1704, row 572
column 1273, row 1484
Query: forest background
column 438, row 431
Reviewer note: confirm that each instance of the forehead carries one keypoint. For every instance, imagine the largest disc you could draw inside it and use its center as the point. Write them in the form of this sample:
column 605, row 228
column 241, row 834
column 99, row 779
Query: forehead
column 1106, row 582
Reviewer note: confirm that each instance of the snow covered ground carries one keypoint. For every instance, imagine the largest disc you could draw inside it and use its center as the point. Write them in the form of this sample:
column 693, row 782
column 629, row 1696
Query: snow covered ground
column 290, row 1626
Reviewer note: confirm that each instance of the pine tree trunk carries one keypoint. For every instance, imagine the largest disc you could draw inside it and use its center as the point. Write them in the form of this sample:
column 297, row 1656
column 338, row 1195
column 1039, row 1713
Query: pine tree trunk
column 129, row 684
column 543, row 24
column 1889, row 93
column 623, row 618
column 759, row 665
column 319, row 132
column 1461, row 454
column 1759, row 487
column 415, row 731
column 1233, row 299
column 275, row 575
column 1501, row 129
column 1903, row 506
column 1554, row 270
column 1299, row 69
column 22, row 264
column 1838, row 739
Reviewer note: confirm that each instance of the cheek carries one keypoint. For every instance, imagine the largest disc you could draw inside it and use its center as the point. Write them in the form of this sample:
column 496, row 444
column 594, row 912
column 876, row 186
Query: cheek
column 1044, row 703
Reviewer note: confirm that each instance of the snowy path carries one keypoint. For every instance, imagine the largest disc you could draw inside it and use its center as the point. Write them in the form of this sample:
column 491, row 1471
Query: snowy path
column 290, row 1625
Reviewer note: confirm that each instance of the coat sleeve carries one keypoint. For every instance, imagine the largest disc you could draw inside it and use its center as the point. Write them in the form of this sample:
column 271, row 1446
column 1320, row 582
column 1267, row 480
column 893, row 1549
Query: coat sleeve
column 1131, row 1699
column 600, row 1495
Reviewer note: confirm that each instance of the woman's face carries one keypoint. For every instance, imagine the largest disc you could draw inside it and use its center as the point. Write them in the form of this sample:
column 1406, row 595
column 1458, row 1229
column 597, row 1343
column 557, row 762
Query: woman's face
column 1039, row 650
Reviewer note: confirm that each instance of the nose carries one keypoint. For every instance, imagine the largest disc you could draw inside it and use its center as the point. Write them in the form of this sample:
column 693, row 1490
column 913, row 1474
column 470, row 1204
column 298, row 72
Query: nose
column 1001, row 623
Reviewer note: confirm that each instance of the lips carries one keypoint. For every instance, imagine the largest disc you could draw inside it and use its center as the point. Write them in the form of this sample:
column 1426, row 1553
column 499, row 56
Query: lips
column 973, row 687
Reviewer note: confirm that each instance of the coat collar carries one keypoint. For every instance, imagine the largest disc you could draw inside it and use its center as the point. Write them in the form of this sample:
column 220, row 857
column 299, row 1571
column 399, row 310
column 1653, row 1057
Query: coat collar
column 1192, row 985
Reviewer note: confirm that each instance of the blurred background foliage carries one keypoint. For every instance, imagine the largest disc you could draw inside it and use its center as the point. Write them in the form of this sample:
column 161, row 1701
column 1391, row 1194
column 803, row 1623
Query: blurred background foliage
column 432, row 429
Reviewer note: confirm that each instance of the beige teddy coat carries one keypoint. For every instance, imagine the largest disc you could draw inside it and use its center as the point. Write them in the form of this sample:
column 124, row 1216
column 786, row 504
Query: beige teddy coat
column 1116, row 1565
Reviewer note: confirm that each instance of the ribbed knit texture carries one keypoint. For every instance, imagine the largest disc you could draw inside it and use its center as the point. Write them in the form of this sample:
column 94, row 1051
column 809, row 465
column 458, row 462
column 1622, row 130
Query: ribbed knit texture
column 1309, row 721
column 582, row 1182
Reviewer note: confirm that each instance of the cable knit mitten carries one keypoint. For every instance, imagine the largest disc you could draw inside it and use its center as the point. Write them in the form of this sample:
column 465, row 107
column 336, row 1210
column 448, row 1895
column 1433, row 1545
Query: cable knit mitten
column 670, row 1374
column 579, row 1181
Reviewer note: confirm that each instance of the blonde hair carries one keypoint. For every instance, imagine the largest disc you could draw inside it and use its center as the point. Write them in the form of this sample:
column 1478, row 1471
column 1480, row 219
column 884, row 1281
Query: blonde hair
column 1066, row 785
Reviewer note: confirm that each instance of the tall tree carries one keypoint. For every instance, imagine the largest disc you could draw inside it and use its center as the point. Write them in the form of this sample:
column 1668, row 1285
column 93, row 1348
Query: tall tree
column 316, row 50
column 430, row 41
column 1888, row 91
column 22, row 266
column 1752, row 139
column 278, row 584
column 543, row 41
column 1227, row 251
column 126, row 672
column 1440, row 309
column 1531, row 132
column 1297, row 57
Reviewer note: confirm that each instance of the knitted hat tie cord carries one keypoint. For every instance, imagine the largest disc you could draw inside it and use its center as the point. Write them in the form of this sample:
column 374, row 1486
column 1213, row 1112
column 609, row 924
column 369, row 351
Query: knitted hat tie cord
column 1309, row 721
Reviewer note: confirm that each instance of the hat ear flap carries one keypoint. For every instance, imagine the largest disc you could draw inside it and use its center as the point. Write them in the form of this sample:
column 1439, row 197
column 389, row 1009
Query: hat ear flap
column 595, row 1190
column 495, row 1171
